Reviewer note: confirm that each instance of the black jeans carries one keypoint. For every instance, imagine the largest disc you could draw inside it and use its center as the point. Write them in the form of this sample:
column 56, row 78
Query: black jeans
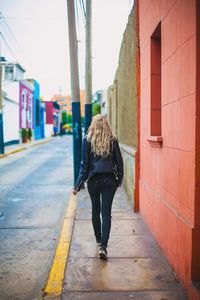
column 102, row 188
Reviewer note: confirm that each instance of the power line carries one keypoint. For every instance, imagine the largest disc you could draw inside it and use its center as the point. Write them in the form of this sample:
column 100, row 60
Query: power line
column 8, row 35
column 9, row 28
column 12, row 37
column 8, row 46
column 9, row 32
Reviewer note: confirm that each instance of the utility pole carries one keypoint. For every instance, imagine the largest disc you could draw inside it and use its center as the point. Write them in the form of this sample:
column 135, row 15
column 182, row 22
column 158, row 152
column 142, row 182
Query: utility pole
column 1, row 104
column 75, row 89
column 88, row 66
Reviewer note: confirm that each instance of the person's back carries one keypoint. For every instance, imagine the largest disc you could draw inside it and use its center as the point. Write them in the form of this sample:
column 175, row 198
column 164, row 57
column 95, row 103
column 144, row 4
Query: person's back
column 102, row 168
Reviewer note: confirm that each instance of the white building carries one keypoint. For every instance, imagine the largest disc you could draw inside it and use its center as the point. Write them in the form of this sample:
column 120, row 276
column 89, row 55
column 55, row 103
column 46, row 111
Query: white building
column 10, row 120
column 48, row 127
column 12, row 73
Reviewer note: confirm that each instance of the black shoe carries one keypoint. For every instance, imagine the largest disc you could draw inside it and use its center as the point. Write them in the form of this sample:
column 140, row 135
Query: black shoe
column 102, row 253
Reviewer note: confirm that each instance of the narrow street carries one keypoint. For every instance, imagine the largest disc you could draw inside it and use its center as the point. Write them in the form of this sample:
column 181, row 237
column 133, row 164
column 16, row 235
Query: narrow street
column 35, row 185
column 125, row 74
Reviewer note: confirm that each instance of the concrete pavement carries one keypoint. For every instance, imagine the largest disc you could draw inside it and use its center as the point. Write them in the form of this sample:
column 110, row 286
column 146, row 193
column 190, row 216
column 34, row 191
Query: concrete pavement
column 34, row 192
column 135, row 269
column 11, row 149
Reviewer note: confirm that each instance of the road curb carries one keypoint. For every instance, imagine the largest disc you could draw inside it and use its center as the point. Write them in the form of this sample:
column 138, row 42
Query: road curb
column 24, row 148
column 12, row 152
column 53, row 288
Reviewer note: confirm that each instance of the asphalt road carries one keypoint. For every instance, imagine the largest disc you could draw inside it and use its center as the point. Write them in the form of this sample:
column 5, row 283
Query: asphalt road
column 35, row 187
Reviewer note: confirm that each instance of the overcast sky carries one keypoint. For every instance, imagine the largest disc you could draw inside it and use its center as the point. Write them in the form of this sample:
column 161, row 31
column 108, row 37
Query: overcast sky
column 37, row 34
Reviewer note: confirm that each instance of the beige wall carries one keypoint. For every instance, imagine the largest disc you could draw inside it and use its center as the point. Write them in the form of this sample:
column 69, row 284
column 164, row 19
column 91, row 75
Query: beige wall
column 122, row 102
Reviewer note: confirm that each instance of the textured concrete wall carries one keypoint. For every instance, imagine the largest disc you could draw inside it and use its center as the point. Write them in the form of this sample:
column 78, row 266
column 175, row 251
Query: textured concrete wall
column 128, row 154
column 112, row 107
column 122, row 102
column 125, row 81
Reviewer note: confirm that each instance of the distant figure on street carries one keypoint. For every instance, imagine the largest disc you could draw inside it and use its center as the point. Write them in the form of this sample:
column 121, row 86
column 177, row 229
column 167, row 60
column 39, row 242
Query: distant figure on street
column 54, row 131
column 102, row 167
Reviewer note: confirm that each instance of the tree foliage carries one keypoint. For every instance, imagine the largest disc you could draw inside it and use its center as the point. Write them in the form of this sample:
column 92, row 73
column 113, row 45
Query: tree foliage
column 64, row 117
column 96, row 109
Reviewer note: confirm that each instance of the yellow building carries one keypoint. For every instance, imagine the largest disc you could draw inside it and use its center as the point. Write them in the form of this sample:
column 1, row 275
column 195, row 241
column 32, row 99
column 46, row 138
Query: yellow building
column 65, row 102
column 82, row 97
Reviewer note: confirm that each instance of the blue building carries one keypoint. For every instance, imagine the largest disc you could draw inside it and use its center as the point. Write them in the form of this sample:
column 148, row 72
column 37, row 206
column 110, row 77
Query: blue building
column 38, row 112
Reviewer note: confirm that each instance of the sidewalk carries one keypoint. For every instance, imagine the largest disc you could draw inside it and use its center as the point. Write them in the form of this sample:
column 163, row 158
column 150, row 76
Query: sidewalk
column 11, row 149
column 135, row 269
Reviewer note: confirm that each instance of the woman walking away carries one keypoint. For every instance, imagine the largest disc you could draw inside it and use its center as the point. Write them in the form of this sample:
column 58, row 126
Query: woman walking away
column 102, row 167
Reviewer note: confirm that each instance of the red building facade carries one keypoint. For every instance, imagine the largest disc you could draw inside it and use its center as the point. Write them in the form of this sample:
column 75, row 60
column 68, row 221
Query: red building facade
column 49, row 112
column 169, row 189
column 53, row 115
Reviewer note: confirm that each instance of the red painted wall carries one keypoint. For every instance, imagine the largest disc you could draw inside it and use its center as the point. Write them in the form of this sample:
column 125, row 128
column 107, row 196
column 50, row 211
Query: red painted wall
column 167, row 173
column 49, row 112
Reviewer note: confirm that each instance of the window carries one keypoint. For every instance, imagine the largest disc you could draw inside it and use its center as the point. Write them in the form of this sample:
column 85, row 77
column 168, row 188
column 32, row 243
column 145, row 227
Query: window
column 23, row 101
column 23, row 109
column 9, row 73
column 155, row 87
column 37, row 112
column 30, row 111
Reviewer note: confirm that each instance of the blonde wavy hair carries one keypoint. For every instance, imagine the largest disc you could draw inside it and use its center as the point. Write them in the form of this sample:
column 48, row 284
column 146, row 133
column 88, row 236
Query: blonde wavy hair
column 100, row 136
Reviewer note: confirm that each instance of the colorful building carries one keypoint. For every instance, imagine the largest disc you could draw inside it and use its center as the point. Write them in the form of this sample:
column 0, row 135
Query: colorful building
column 52, row 118
column 82, row 102
column 154, row 109
column 169, row 34
column 25, row 105
column 17, row 101
column 38, row 111
column 22, row 104
column 65, row 102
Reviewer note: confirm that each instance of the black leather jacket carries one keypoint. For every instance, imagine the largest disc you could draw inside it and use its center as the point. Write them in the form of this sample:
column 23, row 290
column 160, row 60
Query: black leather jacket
column 92, row 164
